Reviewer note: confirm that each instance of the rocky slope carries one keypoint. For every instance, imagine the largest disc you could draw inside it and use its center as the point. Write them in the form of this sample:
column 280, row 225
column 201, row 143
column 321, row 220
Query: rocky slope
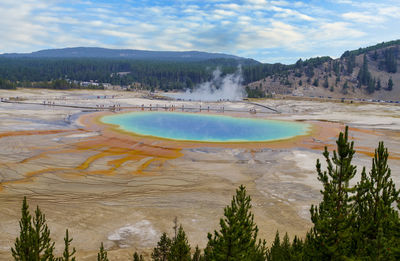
column 346, row 77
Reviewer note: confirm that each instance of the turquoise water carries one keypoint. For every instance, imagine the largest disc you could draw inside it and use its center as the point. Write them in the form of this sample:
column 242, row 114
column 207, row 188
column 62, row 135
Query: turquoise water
column 205, row 127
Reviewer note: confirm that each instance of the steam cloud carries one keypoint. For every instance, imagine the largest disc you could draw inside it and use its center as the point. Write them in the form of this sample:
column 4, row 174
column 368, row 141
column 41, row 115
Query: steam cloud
column 228, row 87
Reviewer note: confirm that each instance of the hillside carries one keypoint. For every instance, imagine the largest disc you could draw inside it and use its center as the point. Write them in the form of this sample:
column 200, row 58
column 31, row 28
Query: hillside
column 349, row 76
column 96, row 52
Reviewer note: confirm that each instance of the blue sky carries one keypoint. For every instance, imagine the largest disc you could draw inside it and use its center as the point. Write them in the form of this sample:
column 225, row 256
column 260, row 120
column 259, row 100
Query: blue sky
column 268, row 31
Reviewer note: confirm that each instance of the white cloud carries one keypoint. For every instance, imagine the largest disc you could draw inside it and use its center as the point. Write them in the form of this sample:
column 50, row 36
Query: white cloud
column 257, row 2
column 337, row 30
column 365, row 18
column 283, row 12
column 224, row 12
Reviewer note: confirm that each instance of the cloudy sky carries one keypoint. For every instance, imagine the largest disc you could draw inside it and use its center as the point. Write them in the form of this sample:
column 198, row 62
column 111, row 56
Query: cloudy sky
column 268, row 31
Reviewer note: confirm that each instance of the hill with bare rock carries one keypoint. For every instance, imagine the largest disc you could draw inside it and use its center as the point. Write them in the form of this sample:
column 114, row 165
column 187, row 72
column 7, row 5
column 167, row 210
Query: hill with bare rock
column 366, row 73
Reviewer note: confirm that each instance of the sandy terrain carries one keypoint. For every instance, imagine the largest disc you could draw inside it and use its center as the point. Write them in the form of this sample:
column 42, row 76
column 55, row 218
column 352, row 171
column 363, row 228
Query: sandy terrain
column 125, row 191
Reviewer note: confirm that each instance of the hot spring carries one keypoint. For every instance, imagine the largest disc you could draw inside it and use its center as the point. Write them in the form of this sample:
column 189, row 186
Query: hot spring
column 205, row 127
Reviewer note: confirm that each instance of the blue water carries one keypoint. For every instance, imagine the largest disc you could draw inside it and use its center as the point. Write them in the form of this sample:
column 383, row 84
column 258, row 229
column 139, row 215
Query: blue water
column 204, row 127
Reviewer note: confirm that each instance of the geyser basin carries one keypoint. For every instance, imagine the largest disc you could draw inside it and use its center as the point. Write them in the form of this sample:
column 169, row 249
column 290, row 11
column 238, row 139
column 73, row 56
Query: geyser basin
column 205, row 127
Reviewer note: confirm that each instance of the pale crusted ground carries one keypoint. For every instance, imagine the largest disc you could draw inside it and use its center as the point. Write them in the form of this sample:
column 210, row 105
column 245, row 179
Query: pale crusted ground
column 128, row 209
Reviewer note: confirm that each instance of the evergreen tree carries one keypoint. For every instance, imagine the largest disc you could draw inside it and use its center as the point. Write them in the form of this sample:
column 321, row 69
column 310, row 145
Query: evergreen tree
column 197, row 254
column 371, row 86
column 351, row 63
column 377, row 220
column 67, row 254
column 286, row 248
column 391, row 60
column 102, row 255
column 275, row 252
column 331, row 235
column 23, row 248
column 316, row 82
column 364, row 75
column 378, row 85
column 375, row 56
column 237, row 238
column 160, row 253
column 42, row 245
column 345, row 87
column 297, row 248
column 6, row 84
column 390, row 84
column 137, row 257
column 280, row 251
column 180, row 248
column 34, row 242
column 337, row 79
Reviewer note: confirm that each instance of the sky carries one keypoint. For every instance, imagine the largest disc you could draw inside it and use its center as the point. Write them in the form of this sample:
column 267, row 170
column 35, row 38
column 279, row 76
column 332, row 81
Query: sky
column 268, row 31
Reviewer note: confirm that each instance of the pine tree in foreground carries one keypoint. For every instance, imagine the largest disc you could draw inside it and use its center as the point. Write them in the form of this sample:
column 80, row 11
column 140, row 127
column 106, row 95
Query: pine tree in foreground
column 297, row 249
column 330, row 238
column 280, row 251
column 275, row 252
column 197, row 255
column 160, row 253
column 377, row 220
column 34, row 242
column 67, row 254
column 237, row 238
column 23, row 248
column 102, row 255
column 137, row 257
column 180, row 248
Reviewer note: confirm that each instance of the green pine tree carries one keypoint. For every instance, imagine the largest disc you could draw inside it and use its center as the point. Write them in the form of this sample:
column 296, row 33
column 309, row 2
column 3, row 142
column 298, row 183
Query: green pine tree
column 180, row 248
column 137, row 257
column 34, row 242
column 275, row 252
column 364, row 75
column 42, row 245
column 102, row 255
column 390, row 84
column 67, row 254
column 160, row 253
column 237, row 238
column 316, row 82
column 378, row 85
column 331, row 234
column 371, row 85
column 297, row 248
column 197, row 254
column 377, row 220
column 23, row 248
column 280, row 251
column 286, row 248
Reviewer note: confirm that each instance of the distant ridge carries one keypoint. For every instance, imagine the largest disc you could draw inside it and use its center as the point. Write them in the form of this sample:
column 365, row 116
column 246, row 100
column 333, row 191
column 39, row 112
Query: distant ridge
column 97, row 52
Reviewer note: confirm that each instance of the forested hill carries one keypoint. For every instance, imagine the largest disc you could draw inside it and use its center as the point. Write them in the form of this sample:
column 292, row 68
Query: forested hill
column 63, row 68
column 96, row 52
column 143, row 74
column 370, row 73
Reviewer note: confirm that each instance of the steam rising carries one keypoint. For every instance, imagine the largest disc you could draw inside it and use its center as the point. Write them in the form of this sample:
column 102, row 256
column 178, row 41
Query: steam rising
column 228, row 87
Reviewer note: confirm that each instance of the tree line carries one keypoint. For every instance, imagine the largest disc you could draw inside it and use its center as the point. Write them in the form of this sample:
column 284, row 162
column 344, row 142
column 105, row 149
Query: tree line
column 354, row 221
column 165, row 75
